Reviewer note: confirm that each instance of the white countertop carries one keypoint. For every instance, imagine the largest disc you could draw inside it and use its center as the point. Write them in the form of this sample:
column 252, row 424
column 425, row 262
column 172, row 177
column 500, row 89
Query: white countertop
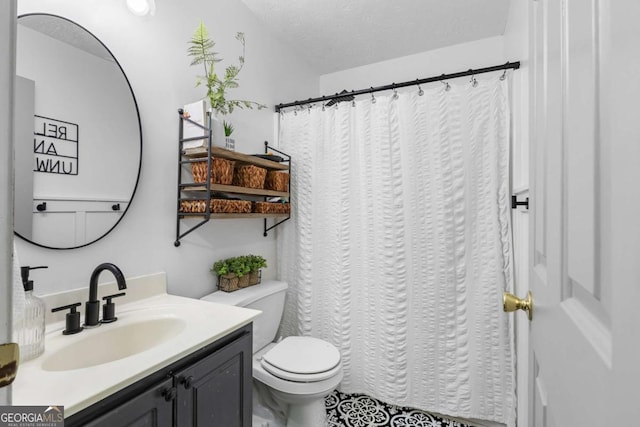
column 204, row 323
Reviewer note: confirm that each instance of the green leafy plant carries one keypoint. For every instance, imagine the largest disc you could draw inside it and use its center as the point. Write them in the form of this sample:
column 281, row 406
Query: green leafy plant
column 228, row 128
column 240, row 265
column 201, row 51
column 221, row 267
column 256, row 262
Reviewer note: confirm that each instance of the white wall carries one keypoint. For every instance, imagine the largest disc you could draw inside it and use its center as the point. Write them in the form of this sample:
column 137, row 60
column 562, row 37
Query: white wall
column 152, row 52
column 476, row 54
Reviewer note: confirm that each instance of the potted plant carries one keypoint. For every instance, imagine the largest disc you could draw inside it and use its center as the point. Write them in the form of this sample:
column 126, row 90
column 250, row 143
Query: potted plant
column 227, row 281
column 256, row 262
column 230, row 143
column 201, row 51
column 233, row 273
column 238, row 272
column 240, row 267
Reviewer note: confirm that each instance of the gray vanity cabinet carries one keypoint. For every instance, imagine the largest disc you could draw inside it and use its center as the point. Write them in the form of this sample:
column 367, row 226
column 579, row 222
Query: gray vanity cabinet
column 213, row 391
column 208, row 388
column 148, row 409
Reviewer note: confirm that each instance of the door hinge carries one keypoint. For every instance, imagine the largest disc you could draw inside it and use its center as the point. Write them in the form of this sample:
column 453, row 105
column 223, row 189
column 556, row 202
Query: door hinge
column 515, row 203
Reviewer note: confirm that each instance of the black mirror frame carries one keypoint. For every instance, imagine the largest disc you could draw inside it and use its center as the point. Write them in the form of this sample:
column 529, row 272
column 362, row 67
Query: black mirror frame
column 135, row 103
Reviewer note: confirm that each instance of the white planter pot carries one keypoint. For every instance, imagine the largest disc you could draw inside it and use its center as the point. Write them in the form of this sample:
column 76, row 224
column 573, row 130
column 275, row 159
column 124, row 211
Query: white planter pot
column 217, row 127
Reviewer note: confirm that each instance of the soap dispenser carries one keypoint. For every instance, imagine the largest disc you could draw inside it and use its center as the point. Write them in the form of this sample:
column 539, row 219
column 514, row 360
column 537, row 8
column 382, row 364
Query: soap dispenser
column 31, row 334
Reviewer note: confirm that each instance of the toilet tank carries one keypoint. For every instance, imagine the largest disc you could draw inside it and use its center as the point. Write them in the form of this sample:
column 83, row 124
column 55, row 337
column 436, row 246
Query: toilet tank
column 267, row 297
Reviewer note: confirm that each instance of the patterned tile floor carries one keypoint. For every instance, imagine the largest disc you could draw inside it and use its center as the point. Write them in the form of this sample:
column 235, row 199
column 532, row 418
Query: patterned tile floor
column 359, row 410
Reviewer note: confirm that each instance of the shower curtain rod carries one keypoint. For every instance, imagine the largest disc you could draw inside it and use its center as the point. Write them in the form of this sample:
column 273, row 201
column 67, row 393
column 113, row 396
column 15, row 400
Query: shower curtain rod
column 470, row 72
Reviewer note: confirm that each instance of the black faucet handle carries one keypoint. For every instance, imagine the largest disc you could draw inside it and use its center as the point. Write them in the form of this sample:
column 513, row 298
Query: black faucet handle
column 67, row 307
column 72, row 325
column 109, row 297
column 109, row 308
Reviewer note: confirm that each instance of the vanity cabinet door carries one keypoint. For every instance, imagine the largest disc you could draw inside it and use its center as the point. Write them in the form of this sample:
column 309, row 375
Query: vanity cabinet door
column 216, row 391
column 152, row 408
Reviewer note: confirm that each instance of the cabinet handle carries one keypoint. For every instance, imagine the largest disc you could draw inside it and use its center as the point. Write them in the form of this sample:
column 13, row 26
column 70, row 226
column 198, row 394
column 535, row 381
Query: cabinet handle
column 186, row 382
column 169, row 394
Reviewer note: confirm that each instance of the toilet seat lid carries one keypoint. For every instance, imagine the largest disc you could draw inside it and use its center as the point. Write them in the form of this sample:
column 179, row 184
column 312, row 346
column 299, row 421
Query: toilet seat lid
column 302, row 356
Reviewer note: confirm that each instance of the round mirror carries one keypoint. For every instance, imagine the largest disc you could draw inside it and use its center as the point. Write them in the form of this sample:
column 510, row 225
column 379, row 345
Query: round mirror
column 78, row 139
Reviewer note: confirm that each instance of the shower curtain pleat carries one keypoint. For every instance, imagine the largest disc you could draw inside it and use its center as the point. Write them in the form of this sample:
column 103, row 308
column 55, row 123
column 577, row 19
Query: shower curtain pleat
column 399, row 245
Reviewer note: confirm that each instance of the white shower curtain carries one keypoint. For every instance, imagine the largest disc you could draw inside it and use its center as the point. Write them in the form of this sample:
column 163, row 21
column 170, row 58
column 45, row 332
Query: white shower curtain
column 399, row 245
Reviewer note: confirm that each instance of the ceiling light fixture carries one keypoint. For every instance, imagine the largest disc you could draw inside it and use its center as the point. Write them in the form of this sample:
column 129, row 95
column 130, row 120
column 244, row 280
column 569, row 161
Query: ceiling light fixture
column 142, row 7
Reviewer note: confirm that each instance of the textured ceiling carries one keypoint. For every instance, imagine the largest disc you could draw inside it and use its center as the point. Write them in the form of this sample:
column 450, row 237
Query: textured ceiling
column 334, row 35
column 66, row 32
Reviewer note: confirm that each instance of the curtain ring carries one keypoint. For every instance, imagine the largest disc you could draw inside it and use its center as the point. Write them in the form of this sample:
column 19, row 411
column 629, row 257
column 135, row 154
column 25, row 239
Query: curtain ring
column 353, row 103
column 373, row 98
column 473, row 81
column 420, row 91
column 323, row 106
column 395, row 93
column 504, row 74
column 447, row 86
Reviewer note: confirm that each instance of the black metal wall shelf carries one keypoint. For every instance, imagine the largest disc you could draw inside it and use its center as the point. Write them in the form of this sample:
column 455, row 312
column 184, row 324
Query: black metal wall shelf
column 205, row 191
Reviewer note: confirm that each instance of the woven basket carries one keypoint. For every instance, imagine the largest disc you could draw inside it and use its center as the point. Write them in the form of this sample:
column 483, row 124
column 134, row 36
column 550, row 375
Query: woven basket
column 278, row 181
column 255, row 277
column 216, row 206
column 221, row 171
column 230, row 206
column 193, row 206
column 271, row 208
column 243, row 281
column 249, row 176
column 228, row 282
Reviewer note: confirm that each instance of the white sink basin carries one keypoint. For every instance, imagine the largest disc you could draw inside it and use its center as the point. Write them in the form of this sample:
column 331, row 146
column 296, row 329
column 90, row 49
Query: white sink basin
column 113, row 342
column 154, row 330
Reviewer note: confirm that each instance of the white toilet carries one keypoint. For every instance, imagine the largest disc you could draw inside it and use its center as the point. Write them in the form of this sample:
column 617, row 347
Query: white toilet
column 298, row 371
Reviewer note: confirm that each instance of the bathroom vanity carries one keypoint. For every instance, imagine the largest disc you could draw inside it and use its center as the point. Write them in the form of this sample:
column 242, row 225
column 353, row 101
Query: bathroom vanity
column 166, row 361
column 210, row 387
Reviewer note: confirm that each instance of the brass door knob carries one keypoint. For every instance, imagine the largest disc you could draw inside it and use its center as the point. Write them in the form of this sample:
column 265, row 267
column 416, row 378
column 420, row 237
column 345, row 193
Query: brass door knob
column 9, row 358
column 511, row 302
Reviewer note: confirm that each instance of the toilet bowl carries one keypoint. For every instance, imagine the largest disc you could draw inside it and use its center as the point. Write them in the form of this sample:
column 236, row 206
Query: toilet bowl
column 298, row 372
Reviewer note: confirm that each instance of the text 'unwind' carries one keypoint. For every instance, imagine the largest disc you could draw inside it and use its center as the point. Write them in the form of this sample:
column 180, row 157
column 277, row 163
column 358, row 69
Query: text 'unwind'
column 55, row 146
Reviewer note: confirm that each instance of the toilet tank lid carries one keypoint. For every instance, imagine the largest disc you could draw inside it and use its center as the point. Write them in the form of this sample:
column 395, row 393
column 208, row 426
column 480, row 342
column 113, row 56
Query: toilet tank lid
column 246, row 296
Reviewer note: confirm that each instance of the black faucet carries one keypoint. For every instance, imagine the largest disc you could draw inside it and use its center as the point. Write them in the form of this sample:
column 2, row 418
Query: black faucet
column 92, row 307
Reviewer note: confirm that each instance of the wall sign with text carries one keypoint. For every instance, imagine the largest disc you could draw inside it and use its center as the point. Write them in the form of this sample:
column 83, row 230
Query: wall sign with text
column 55, row 146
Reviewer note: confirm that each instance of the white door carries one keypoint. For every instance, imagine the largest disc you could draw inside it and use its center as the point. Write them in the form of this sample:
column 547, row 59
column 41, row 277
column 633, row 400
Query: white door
column 585, row 232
